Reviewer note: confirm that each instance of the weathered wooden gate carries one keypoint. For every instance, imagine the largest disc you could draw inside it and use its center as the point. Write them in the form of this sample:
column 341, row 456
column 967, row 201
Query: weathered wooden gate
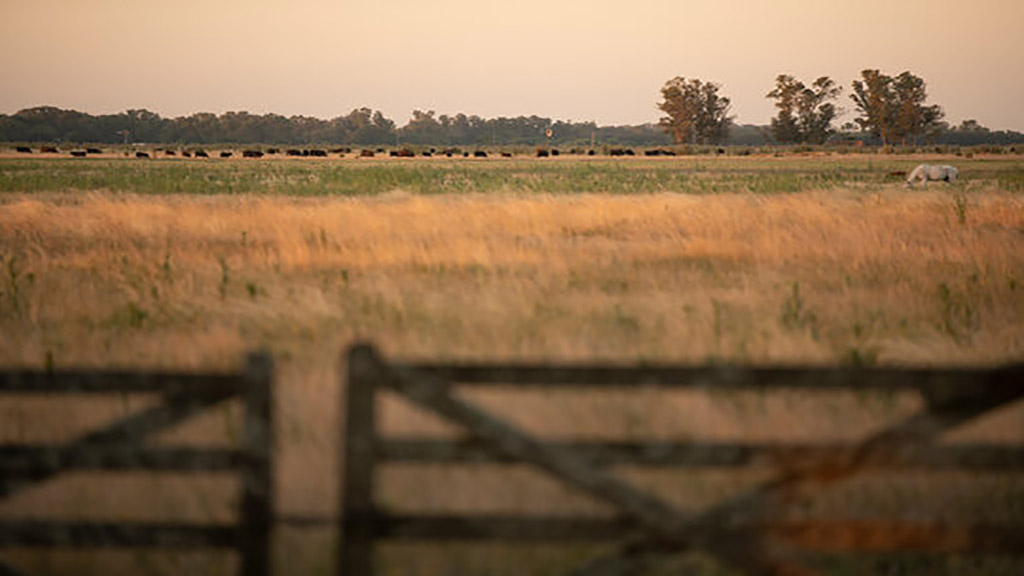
column 738, row 531
column 119, row 446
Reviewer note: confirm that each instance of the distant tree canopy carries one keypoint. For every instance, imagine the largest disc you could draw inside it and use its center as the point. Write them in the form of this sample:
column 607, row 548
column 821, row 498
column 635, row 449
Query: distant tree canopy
column 362, row 126
column 696, row 114
column 894, row 109
column 805, row 113
column 46, row 123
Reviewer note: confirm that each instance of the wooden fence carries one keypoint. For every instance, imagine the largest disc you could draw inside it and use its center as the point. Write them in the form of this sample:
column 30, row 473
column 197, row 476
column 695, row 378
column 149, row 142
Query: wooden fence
column 738, row 531
column 119, row 446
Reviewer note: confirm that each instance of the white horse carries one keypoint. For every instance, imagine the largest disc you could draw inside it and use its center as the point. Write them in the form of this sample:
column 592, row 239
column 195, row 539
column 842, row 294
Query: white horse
column 926, row 172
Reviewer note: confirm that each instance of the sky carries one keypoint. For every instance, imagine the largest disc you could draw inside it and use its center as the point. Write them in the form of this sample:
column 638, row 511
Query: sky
column 580, row 60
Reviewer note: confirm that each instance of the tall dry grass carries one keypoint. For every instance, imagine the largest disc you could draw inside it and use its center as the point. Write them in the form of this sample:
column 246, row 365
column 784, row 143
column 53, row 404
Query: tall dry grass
column 895, row 277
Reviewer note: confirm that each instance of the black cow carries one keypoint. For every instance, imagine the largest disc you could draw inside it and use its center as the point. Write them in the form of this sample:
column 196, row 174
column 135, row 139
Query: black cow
column 318, row 153
column 542, row 153
column 170, row 152
column 479, row 154
column 293, row 152
column 222, row 154
column 405, row 153
column 272, row 150
column 554, row 151
column 203, row 154
column 427, row 153
column 186, row 154
column 93, row 151
column 24, row 149
column 141, row 155
column 252, row 154
column 591, row 153
column 506, row 154
column 78, row 153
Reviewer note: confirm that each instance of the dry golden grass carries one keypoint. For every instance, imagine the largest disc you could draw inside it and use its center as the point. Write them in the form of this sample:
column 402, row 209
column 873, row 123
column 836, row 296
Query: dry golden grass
column 897, row 277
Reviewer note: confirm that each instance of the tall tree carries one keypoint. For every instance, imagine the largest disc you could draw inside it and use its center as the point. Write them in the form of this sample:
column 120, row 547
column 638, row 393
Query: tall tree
column 912, row 117
column 817, row 111
column 805, row 113
column 894, row 109
column 874, row 97
column 696, row 113
column 784, row 127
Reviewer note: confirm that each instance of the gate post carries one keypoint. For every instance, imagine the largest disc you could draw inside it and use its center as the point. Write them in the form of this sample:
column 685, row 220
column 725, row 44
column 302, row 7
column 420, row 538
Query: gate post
column 356, row 530
column 257, row 473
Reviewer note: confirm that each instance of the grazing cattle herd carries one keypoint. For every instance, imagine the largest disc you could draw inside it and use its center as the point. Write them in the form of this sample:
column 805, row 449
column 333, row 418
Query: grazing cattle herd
column 922, row 173
column 404, row 152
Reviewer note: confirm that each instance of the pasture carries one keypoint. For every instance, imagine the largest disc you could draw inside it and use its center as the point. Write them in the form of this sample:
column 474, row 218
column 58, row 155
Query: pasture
column 813, row 259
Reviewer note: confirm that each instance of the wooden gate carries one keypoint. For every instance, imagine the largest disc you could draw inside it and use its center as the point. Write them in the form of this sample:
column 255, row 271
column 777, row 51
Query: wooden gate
column 119, row 446
column 738, row 531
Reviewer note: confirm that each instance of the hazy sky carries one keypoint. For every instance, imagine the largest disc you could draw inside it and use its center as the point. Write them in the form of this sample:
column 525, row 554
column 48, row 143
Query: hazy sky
column 602, row 60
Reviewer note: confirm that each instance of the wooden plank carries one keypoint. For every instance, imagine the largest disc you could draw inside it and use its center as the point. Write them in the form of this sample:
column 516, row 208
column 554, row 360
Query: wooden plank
column 34, row 460
column 47, row 534
column 257, row 501
column 133, row 428
column 655, row 515
column 976, row 457
column 823, row 535
column 116, row 382
column 805, row 479
column 516, row 528
column 355, row 554
column 716, row 377
column 883, row 536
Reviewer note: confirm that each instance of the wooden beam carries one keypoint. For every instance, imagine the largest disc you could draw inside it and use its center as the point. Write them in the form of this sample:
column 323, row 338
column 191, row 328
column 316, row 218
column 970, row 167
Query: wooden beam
column 824, row 535
column 715, row 377
column 133, row 428
column 975, row 457
column 882, row 536
column 256, row 512
column 113, row 382
column 355, row 554
column 943, row 413
column 656, row 516
column 43, row 534
column 35, row 460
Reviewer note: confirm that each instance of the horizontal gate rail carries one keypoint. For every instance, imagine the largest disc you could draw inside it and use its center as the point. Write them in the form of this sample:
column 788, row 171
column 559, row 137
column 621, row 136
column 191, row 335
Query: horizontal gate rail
column 736, row 530
column 976, row 457
column 876, row 536
column 38, row 460
column 119, row 382
column 42, row 534
column 119, row 446
column 716, row 377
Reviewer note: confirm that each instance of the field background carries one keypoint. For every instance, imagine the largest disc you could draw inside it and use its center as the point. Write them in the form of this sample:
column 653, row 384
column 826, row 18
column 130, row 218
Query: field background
column 796, row 260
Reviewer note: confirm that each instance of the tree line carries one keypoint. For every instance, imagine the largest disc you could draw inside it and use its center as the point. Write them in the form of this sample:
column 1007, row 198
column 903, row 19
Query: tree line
column 362, row 126
column 890, row 110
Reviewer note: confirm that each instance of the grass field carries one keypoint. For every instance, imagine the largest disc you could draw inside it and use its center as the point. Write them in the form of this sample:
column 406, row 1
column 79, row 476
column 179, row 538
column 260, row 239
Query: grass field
column 806, row 260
